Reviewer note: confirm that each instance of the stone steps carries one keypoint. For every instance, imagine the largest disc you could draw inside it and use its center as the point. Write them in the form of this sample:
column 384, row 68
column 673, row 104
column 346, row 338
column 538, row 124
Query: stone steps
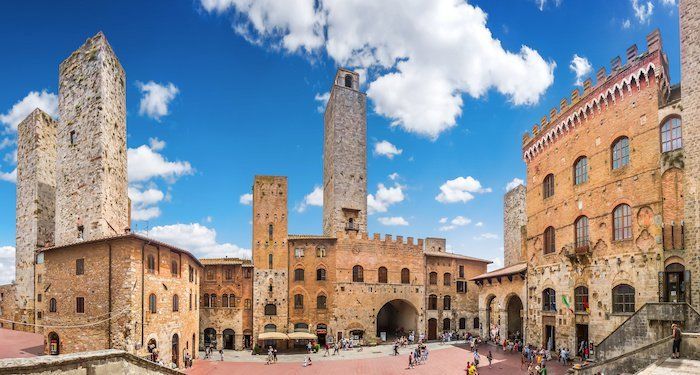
column 672, row 366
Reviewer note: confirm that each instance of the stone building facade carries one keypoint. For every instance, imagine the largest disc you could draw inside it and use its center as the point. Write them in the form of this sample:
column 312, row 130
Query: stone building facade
column 605, row 217
column 125, row 292
column 344, row 283
column 225, row 307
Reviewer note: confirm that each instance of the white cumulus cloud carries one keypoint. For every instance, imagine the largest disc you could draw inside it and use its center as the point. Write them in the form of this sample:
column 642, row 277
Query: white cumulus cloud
column 386, row 148
column 458, row 221
column 9, row 176
column 7, row 264
column 44, row 100
column 423, row 58
column 198, row 239
column 512, row 184
column 314, row 198
column 461, row 189
column 156, row 144
column 486, row 236
column 384, row 197
column 144, row 203
column 643, row 11
column 322, row 100
column 146, row 163
column 626, row 24
column 393, row 221
column 156, row 98
column 581, row 67
column 246, row 199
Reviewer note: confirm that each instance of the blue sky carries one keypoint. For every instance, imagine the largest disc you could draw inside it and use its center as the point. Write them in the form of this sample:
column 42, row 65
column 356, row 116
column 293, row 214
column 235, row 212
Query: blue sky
column 221, row 90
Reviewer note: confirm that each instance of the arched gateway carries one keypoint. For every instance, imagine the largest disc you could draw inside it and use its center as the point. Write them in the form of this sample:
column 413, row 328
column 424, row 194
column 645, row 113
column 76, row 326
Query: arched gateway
column 514, row 308
column 396, row 318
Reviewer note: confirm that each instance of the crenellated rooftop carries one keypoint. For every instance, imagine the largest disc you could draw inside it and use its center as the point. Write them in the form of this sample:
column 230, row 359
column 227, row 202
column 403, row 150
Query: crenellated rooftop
column 596, row 98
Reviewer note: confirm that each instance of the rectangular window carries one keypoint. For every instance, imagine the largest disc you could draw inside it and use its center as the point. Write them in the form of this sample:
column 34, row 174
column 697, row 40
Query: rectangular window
column 229, row 274
column 247, row 273
column 299, row 252
column 211, row 274
column 461, row 286
column 298, row 301
column 38, row 297
column 269, row 261
column 191, row 270
column 38, row 279
column 80, row 266
column 38, row 315
column 80, row 305
column 72, row 137
column 461, row 271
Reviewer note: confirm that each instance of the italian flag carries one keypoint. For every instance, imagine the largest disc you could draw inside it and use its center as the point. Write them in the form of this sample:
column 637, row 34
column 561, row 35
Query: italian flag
column 566, row 303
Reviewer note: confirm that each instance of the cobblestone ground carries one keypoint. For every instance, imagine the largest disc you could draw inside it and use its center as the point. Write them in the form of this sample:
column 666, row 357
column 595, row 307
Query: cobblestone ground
column 443, row 359
column 16, row 344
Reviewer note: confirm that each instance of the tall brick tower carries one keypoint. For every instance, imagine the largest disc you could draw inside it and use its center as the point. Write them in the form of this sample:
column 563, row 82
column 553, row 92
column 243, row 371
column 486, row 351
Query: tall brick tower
column 345, row 156
column 36, row 196
column 270, row 285
column 91, row 180
column 514, row 224
column 689, row 11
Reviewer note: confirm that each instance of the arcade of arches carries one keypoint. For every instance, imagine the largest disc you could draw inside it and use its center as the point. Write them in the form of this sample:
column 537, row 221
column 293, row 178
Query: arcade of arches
column 502, row 308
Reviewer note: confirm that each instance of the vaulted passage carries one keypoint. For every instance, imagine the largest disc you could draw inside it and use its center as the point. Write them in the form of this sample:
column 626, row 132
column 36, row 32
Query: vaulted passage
column 397, row 318
column 515, row 321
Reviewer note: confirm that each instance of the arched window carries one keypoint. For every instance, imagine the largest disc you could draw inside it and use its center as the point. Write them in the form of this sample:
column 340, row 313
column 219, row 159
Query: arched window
column 548, row 186
column 176, row 303
column 581, row 299
column 351, row 224
column 231, row 300
column 301, row 327
column 269, row 261
column 581, row 170
column 447, row 279
column 432, row 302
column 270, row 328
column 212, row 300
column 432, row 278
column 549, row 300
column 320, row 301
column 462, row 323
column 671, row 135
column 298, row 301
column 623, row 299
column 357, row 274
column 581, row 233
column 446, row 324
column 405, row 276
column 348, row 80
column 320, row 274
column 224, row 300
column 151, row 264
column 620, row 152
column 299, row 274
column 52, row 305
column 206, row 299
column 447, row 303
column 382, row 275
column 476, row 323
column 174, row 268
column 270, row 309
column 152, row 303
column 549, row 240
column 622, row 222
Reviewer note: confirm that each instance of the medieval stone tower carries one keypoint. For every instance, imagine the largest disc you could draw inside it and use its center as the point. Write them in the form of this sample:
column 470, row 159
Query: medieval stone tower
column 345, row 156
column 514, row 225
column 91, row 179
column 36, row 196
column 689, row 11
column 270, row 257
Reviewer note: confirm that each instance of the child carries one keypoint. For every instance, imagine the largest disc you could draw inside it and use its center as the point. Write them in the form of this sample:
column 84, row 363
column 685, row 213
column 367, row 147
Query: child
column 490, row 358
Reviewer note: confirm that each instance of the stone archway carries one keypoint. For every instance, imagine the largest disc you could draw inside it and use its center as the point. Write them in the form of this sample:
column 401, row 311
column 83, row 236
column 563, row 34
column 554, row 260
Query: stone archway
column 514, row 308
column 492, row 321
column 397, row 318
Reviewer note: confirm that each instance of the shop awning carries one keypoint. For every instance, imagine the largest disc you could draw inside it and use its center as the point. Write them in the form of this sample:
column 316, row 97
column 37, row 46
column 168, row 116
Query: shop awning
column 302, row 336
column 272, row 336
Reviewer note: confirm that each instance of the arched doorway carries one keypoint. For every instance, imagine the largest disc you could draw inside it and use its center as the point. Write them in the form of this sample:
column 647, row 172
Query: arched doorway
column 176, row 350
column 396, row 318
column 514, row 309
column 674, row 283
column 492, row 323
column 229, row 339
column 321, row 332
column 210, row 337
column 432, row 329
column 54, row 344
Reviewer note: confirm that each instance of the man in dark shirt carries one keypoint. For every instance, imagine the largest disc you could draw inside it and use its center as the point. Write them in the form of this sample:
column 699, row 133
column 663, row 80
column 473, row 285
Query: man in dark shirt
column 676, row 341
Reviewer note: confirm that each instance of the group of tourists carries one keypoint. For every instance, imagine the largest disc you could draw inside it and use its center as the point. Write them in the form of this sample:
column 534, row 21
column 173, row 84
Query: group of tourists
column 418, row 356
column 271, row 355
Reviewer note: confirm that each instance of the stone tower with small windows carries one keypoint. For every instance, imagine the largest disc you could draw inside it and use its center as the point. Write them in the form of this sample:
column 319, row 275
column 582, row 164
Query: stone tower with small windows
column 345, row 156
column 36, row 196
column 270, row 283
column 91, row 165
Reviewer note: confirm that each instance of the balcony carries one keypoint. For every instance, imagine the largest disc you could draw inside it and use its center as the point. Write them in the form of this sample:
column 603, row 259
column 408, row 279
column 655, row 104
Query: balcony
column 579, row 251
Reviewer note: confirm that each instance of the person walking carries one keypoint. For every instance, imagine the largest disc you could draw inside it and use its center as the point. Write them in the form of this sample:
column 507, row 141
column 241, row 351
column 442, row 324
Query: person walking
column 490, row 358
column 396, row 348
column 677, row 334
column 410, row 360
column 221, row 353
column 476, row 358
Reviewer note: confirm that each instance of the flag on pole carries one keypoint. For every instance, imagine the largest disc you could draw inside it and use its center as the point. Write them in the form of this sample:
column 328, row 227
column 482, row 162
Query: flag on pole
column 566, row 303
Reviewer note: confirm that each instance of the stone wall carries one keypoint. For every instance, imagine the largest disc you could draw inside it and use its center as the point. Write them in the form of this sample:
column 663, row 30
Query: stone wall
column 494, row 297
column 36, row 189
column 689, row 12
column 91, row 180
column 102, row 362
column 345, row 156
column 514, row 221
